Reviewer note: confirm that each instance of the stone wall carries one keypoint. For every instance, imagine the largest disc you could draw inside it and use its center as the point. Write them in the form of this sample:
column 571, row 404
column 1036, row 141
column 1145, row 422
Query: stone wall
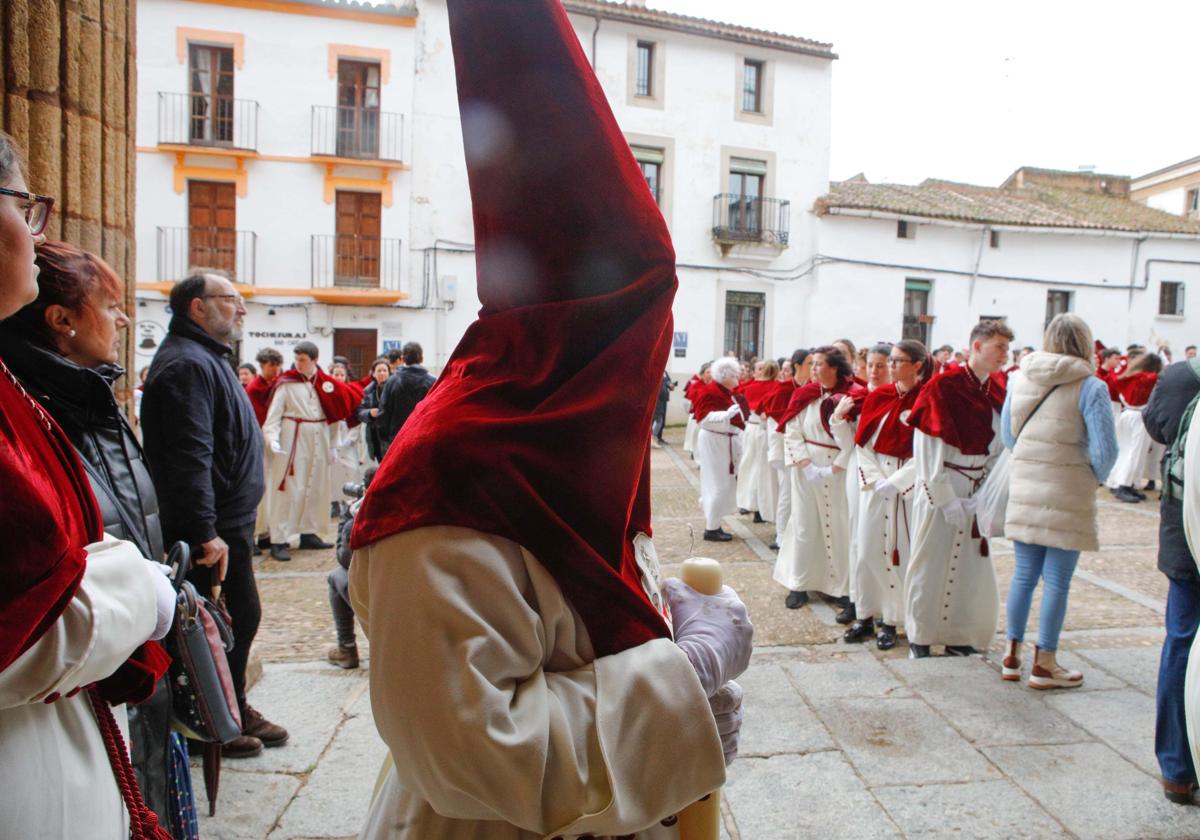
column 69, row 78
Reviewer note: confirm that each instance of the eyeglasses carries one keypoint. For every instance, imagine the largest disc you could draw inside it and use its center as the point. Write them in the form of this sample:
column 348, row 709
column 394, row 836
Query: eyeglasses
column 898, row 360
column 233, row 298
column 37, row 208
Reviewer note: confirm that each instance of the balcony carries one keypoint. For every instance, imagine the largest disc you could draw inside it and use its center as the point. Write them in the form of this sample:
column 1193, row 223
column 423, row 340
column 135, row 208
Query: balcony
column 181, row 249
column 365, row 134
column 355, row 262
column 743, row 219
column 197, row 119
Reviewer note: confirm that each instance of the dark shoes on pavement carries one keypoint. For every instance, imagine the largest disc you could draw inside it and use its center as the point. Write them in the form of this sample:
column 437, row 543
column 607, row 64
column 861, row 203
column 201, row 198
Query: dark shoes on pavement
column 916, row 651
column 310, row 542
column 243, row 746
column 279, row 551
column 717, row 535
column 343, row 657
column 1181, row 793
column 960, row 650
column 257, row 726
column 795, row 599
column 847, row 614
column 263, row 542
column 861, row 630
column 1127, row 494
column 774, row 546
column 885, row 639
column 758, row 520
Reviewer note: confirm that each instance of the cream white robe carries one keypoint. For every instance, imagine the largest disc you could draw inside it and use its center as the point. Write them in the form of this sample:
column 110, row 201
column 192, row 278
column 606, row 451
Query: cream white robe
column 1191, row 529
column 502, row 722
column 1136, row 455
column 302, row 507
column 718, row 445
column 814, row 552
column 783, row 479
column 347, row 462
column 950, row 588
column 55, row 777
column 751, row 466
column 883, row 526
column 689, row 433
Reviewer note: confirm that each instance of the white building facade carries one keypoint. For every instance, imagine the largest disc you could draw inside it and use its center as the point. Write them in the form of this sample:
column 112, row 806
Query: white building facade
column 314, row 150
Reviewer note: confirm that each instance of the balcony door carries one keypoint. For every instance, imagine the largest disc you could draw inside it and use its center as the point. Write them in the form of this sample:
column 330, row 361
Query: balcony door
column 743, row 324
column 210, row 71
column 358, row 109
column 746, row 179
column 356, row 253
column 212, row 225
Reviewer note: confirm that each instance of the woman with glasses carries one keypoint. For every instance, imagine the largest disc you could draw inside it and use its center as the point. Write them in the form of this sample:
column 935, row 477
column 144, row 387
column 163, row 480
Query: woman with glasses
column 78, row 607
column 884, row 481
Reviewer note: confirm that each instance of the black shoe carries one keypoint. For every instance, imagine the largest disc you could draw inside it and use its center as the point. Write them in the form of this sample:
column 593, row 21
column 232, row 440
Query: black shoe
column 916, row 651
column 1141, row 496
column 885, row 639
column 1150, row 485
column 795, row 600
column 773, row 546
column 264, row 542
column 847, row 615
column 279, row 551
column 960, row 650
column 743, row 511
column 758, row 520
column 859, row 631
column 1179, row 793
column 717, row 535
column 1125, row 494
column 313, row 542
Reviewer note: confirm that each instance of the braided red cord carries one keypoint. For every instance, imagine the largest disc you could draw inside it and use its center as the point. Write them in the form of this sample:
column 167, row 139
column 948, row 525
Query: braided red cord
column 143, row 822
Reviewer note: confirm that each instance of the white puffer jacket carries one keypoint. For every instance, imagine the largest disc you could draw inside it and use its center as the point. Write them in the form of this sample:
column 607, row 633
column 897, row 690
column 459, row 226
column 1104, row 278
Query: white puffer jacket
column 1052, row 489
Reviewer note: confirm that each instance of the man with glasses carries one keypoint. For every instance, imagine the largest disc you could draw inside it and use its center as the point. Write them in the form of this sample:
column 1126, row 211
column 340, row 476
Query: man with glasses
column 206, row 456
column 37, row 208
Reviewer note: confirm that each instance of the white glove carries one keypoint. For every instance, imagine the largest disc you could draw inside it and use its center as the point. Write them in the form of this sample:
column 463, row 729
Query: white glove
column 886, row 489
column 332, row 456
column 956, row 512
column 713, row 630
column 165, row 598
column 276, row 447
column 812, row 472
column 726, row 707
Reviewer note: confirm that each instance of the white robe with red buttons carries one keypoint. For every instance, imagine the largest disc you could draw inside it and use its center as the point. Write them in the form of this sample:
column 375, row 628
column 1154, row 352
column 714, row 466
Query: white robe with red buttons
column 302, row 506
column 502, row 722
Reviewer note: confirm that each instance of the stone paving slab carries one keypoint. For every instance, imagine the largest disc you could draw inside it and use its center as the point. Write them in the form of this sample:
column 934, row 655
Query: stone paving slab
column 846, row 674
column 1136, row 666
column 248, row 804
column 983, row 708
column 1135, row 568
column 899, row 741
column 798, row 797
column 1119, row 718
column 996, row 810
column 776, row 718
column 1095, row 793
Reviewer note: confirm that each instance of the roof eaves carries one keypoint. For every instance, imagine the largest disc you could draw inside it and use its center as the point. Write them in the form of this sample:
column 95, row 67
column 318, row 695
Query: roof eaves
column 381, row 9
column 1166, row 169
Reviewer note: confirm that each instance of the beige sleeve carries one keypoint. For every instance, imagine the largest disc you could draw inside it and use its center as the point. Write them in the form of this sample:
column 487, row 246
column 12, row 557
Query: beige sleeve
column 113, row 612
column 843, row 435
column 929, row 453
column 463, row 628
column 795, row 450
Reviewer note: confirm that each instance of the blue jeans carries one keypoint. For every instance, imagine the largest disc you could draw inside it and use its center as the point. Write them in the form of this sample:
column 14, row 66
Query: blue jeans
column 1055, row 566
column 1170, row 729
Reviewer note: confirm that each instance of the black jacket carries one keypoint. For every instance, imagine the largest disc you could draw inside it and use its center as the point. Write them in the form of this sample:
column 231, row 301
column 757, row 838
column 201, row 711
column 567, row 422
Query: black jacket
column 201, row 435
column 373, row 426
column 401, row 393
column 81, row 401
column 1175, row 388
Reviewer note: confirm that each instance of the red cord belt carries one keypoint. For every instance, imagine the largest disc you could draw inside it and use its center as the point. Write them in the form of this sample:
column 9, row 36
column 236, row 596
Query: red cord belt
column 291, row 465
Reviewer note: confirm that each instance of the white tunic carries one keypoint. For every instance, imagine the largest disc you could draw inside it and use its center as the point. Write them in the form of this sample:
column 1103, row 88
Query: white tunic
column 296, row 422
column 751, row 466
column 1191, row 530
column 718, row 450
column 882, row 532
column 814, row 552
column 950, row 587
column 55, row 776
column 783, row 479
column 347, row 459
column 1138, row 455
column 689, row 434
column 502, row 722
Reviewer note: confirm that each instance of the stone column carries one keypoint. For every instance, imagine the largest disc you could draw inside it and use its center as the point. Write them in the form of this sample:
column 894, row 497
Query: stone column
column 69, row 76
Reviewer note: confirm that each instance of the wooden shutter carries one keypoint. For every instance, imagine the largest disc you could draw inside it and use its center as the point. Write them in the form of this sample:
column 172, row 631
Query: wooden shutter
column 212, row 225
column 356, row 258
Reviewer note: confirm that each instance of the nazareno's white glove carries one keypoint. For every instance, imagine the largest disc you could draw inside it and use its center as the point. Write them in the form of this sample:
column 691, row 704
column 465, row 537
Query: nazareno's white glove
column 812, row 472
column 886, row 489
column 165, row 598
column 713, row 630
column 276, row 447
column 957, row 512
column 726, row 707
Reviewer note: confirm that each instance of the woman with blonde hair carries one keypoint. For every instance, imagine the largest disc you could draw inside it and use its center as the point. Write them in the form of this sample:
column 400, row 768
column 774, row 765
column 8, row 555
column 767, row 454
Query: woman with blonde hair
column 1058, row 424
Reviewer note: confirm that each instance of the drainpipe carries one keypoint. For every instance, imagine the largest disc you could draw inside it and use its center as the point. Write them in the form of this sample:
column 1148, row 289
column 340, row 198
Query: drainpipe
column 983, row 235
column 594, row 32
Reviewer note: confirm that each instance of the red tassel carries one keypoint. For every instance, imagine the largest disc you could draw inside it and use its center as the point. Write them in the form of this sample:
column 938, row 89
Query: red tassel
column 975, row 530
column 895, row 557
column 983, row 547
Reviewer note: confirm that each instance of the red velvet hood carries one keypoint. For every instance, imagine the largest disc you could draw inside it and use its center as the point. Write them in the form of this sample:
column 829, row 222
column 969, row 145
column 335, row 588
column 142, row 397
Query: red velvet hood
column 339, row 400
column 775, row 404
column 757, row 390
column 1135, row 390
column 887, row 406
column 538, row 429
column 956, row 407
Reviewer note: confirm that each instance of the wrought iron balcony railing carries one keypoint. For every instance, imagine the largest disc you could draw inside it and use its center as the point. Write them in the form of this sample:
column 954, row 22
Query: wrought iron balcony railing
column 365, row 262
column 362, row 133
column 198, row 119
column 742, row 218
column 183, row 248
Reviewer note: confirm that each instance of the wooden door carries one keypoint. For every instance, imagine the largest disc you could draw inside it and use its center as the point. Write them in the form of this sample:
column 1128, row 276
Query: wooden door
column 212, row 225
column 359, row 346
column 358, row 109
column 356, row 256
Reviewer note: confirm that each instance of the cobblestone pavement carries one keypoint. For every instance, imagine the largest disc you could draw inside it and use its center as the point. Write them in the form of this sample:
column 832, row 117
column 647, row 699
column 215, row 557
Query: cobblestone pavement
column 838, row 740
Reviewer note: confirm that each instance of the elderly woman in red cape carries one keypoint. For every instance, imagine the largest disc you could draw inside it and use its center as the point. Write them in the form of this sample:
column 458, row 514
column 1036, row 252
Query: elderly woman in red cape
column 523, row 671
column 77, row 607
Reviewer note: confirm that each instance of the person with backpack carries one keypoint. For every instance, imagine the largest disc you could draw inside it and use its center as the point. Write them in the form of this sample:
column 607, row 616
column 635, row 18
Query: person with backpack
column 1167, row 418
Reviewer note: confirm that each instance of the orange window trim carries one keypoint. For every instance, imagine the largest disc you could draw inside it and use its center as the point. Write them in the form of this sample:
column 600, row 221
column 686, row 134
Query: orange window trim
column 316, row 11
column 185, row 35
column 340, row 51
column 183, row 173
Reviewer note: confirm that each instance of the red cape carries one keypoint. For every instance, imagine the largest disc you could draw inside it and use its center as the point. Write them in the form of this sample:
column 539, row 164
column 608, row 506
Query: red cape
column 757, row 390
column 715, row 397
column 687, row 389
column 956, row 407
column 1135, row 390
column 339, row 400
column 810, row 392
column 775, row 404
column 259, row 391
column 885, row 405
column 537, row 430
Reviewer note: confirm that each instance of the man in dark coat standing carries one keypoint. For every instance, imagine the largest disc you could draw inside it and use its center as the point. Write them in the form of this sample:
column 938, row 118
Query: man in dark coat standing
column 205, row 451
column 406, row 387
column 1176, row 387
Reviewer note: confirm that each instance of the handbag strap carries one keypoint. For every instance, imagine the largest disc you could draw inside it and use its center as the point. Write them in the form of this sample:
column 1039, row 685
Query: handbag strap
column 1045, row 396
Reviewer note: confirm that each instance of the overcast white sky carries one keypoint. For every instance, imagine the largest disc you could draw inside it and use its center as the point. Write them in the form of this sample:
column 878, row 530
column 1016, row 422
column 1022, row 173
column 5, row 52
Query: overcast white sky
column 969, row 91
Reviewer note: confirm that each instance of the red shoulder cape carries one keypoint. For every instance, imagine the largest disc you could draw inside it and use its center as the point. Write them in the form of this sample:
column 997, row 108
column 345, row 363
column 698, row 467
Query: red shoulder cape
column 956, row 407
column 259, row 391
column 1135, row 390
column 810, row 392
column 775, row 404
column 715, row 397
column 887, row 406
column 338, row 399
column 757, row 390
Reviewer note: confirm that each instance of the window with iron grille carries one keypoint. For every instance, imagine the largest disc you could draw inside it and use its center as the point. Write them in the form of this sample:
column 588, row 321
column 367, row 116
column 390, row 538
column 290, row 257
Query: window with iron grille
column 1057, row 302
column 743, row 323
column 644, row 86
column 917, row 321
column 752, row 85
column 1170, row 298
column 651, row 162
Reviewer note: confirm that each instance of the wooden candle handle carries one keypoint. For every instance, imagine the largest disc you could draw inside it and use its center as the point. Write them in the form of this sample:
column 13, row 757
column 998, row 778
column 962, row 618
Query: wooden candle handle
column 702, row 820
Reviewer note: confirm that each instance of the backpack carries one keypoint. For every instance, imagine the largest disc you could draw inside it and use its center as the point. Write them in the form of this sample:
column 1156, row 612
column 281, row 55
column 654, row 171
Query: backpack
column 1173, row 463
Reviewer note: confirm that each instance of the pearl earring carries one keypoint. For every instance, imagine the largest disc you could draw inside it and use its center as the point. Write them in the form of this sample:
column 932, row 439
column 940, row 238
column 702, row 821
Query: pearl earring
column 71, row 333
